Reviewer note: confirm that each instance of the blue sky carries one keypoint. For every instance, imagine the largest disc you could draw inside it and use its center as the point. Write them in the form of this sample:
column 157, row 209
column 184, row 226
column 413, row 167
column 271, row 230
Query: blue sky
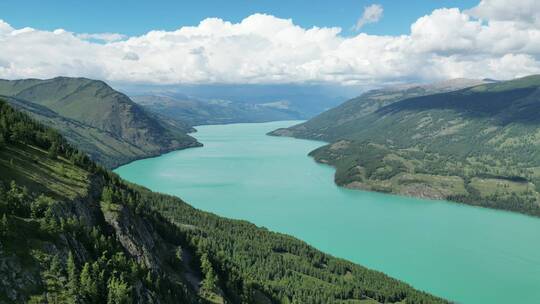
column 270, row 42
column 138, row 17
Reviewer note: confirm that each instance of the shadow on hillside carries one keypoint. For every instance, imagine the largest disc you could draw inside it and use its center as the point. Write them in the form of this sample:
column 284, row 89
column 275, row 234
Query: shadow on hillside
column 518, row 105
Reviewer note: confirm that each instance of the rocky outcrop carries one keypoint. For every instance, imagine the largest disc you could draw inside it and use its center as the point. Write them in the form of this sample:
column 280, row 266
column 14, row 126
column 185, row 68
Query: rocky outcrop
column 15, row 280
column 136, row 236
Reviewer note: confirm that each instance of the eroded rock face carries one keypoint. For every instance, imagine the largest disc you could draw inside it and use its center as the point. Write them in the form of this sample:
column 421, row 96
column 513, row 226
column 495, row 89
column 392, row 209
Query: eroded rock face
column 136, row 236
column 16, row 281
column 85, row 209
column 422, row 191
column 357, row 186
column 281, row 132
column 340, row 145
column 21, row 276
column 418, row 190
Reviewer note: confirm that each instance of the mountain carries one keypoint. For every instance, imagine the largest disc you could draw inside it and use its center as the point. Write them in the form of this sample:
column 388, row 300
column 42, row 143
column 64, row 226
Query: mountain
column 305, row 101
column 73, row 232
column 478, row 145
column 215, row 111
column 351, row 112
column 104, row 123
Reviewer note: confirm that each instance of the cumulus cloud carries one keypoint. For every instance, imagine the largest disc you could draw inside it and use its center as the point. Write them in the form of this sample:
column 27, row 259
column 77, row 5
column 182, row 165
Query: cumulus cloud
column 105, row 37
column 522, row 11
column 484, row 42
column 131, row 56
column 372, row 14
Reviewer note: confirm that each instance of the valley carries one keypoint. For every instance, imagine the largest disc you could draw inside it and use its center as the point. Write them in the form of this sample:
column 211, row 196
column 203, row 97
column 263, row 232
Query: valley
column 270, row 152
column 461, row 253
column 72, row 231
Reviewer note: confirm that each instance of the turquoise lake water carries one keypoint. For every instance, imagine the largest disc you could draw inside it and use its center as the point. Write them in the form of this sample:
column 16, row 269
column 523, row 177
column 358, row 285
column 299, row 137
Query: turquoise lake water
column 462, row 253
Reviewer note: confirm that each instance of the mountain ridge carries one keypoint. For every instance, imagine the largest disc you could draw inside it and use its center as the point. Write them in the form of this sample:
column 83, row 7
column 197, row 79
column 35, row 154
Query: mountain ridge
column 202, row 112
column 477, row 145
column 114, row 129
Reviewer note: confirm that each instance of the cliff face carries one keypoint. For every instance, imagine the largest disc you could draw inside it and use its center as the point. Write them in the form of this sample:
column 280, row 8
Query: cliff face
column 44, row 227
column 136, row 236
column 136, row 240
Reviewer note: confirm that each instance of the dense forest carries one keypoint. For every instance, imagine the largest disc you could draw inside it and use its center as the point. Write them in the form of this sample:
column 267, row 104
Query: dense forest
column 478, row 145
column 73, row 232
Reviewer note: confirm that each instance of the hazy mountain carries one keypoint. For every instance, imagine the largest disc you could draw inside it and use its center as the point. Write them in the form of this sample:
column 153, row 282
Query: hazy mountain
column 479, row 145
column 72, row 232
column 304, row 101
column 104, row 123
column 201, row 112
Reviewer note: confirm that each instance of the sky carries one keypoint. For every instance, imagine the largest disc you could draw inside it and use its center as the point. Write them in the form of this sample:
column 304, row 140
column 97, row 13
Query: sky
column 350, row 42
column 139, row 17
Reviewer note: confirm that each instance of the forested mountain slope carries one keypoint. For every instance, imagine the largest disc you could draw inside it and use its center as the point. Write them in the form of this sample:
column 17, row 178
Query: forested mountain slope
column 478, row 145
column 104, row 123
column 72, row 232
column 331, row 124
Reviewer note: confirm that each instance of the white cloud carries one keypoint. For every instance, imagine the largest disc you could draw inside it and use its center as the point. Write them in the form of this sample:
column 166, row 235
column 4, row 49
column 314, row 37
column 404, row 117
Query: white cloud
column 4, row 27
column 372, row 14
column 105, row 37
column 131, row 56
column 520, row 11
column 265, row 49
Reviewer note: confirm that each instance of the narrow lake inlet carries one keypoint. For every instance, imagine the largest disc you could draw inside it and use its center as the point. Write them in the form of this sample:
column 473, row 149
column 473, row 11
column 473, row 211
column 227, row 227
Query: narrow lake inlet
column 462, row 253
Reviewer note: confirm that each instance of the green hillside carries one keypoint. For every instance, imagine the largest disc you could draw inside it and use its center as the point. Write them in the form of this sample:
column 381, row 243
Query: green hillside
column 104, row 123
column 476, row 145
column 201, row 112
column 330, row 124
column 72, row 232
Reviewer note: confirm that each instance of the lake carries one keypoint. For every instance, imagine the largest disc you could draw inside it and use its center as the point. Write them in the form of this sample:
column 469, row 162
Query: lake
column 462, row 253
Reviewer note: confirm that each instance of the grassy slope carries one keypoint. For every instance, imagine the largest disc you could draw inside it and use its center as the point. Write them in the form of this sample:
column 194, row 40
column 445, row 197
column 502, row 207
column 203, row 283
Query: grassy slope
column 478, row 145
column 251, row 263
column 106, row 123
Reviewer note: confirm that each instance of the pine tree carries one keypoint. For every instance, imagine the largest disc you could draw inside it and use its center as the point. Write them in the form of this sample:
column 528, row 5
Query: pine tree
column 107, row 195
column 88, row 284
column 53, row 284
column 4, row 227
column 53, row 150
column 73, row 279
column 40, row 205
column 179, row 255
column 119, row 292
column 210, row 278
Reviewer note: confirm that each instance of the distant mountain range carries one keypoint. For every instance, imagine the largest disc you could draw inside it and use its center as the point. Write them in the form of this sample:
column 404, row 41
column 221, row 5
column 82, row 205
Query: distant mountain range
column 102, row 122
column 203, row 112
column 295, row 101
column 476, row 142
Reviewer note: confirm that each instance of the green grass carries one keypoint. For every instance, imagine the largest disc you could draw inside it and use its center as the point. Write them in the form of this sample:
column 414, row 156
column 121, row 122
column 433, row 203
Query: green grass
column 31, row 167
column 490, row 186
